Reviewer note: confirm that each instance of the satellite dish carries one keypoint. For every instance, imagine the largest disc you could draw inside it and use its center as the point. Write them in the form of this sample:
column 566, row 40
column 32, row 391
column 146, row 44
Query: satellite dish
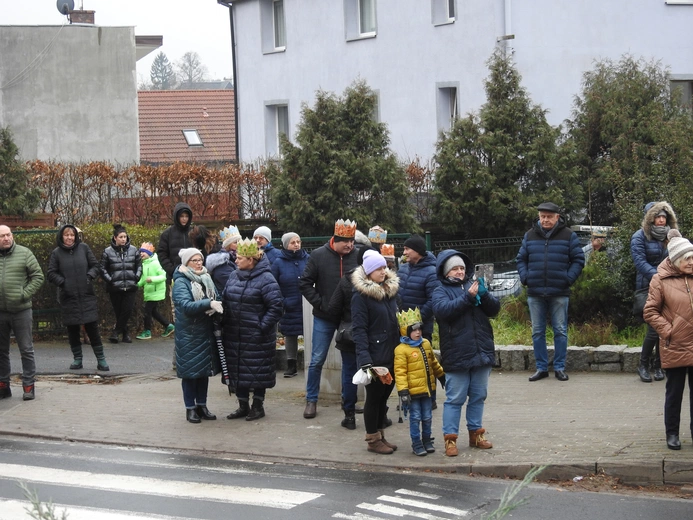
column 65, row 6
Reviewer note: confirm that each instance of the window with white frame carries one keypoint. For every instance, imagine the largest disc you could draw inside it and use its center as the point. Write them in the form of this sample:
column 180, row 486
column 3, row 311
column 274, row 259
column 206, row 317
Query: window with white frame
column 360, row 19
column 276, row 124
column 192, row 137
column 273, row 26
column 443, row 12
column 447, row 105
column 683, row 91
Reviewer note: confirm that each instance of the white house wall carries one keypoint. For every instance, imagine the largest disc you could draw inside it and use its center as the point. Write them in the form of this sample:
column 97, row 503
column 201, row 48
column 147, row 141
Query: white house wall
column 70, row 93
column 555, row 42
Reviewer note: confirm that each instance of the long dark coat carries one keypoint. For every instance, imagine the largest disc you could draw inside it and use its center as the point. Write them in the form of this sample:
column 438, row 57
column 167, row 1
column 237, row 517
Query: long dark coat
column 252, row 307
column 73, row 270
column 287, row 269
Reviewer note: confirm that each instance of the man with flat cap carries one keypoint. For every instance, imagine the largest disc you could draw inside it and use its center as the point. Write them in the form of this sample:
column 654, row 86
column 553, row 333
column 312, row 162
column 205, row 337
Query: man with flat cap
column 549, row 261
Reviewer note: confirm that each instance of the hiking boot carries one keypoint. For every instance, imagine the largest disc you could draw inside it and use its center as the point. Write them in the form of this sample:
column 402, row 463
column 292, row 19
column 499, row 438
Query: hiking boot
column 257, row 411
column 349, row 421
column 5, row 390
column 376, row 445
column 169, row 330
column 477, row 439
column 29, row 393
column 242, row 410
column 145, row 334
column 418, row 448
column 393, row 447
column 291, row 370
column 451, row 445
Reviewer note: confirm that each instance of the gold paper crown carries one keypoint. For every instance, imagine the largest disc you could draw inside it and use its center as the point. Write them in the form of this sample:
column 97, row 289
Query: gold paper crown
column 387, row 250
column 248, row 247
column 345, row 229
column 406, row 318
column 377, row 235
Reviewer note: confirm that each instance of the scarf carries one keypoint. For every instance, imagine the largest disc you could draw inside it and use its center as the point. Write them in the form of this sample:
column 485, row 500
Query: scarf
column 201, row 283
column 659, row 232
column 407, row 340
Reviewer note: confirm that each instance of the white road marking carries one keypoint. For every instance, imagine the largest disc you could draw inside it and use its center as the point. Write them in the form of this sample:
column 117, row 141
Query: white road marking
column 398, row 511
column 266, row 497
column 356, row 516
column 17, row 510
column 424, row 505
column 417, row 494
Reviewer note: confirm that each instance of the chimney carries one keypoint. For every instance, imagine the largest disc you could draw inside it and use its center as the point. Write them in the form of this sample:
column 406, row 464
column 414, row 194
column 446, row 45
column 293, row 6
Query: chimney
column 82, row 17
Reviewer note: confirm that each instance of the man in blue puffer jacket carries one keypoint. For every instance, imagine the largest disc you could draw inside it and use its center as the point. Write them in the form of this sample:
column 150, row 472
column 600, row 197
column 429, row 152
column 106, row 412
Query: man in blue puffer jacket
column 549, row 262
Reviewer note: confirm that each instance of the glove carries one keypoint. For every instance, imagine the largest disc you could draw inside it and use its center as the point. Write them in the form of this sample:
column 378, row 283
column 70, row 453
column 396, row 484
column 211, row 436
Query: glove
column 366, row 367
column 482, row 287
column 441, row 380
column 405, row 401
column 217, row 307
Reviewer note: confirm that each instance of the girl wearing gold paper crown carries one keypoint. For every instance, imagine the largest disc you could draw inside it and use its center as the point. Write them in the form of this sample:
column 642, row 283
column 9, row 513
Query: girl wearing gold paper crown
column 416, row 370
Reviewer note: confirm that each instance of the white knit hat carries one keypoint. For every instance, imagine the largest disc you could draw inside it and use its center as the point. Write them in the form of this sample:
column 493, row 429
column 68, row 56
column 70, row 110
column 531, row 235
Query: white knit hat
column 188, row 253
column 287, row 238
column 264, row 232
column 678, row 246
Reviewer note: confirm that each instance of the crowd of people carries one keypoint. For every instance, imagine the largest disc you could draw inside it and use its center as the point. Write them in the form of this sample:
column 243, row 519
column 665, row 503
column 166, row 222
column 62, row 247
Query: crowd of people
column 231, row 296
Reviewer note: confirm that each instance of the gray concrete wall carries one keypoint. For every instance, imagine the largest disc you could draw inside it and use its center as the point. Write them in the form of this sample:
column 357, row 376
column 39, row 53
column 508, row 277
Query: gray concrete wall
column 70, row 93
column 410, row 56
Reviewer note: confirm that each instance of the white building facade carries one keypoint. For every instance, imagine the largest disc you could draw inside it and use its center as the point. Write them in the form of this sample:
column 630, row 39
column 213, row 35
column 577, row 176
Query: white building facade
column 426, row 59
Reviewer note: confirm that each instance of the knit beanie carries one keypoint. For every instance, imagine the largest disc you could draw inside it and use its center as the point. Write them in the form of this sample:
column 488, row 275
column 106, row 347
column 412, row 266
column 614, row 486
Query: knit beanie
column 416, row 243
column 678, row 246
column 373, row 260
column 264, row 232
column 452, row 262
column 187, row 253
column 147, row 247
column 287, row 237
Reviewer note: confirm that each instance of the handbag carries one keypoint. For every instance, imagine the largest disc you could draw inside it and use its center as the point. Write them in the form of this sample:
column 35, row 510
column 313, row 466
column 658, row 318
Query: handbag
column 639, row 299
column 344, row 333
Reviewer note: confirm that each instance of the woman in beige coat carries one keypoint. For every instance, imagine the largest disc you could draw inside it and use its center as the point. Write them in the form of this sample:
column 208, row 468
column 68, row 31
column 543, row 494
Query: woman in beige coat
column 669, row 310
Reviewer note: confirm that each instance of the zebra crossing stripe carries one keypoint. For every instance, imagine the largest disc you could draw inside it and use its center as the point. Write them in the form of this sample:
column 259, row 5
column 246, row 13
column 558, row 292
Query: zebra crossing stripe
column 266, row 497
column 425, row 505
column 17, row 510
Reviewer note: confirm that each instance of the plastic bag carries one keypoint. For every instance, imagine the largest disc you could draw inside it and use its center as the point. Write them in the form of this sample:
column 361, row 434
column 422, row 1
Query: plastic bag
column 361, row 377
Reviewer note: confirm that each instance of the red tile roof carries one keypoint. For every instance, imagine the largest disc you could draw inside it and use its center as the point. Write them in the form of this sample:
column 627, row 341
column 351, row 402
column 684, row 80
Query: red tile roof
column 164, row 114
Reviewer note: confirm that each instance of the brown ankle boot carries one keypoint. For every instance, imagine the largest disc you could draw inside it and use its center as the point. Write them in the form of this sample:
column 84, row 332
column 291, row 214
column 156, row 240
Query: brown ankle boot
column 393, row 447
column 477, row 439
column 375, row 444
column 450, row 445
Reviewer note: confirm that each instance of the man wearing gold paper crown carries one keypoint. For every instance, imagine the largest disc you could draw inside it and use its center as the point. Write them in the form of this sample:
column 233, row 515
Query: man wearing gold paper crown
column 325, row 268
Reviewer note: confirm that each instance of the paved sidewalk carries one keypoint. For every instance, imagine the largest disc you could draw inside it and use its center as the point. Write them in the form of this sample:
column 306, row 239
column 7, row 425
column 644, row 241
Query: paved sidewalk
column 594, row 422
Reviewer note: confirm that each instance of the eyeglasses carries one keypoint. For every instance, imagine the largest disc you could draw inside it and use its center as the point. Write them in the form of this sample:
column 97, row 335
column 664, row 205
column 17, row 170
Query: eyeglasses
column 196, row 260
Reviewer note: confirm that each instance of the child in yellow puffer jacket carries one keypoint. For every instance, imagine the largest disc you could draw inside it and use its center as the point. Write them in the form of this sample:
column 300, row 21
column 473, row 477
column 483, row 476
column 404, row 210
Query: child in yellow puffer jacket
column 416, row 370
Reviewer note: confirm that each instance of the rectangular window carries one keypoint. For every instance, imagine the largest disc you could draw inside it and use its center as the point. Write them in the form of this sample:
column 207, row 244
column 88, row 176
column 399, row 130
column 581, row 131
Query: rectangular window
column 366, row 17
column 192, row 137
column 451, row 9
column 360, row 19
column 447, row 105
column 443, row 12
column 279, row 27
column 276, row 124
column 683, row 90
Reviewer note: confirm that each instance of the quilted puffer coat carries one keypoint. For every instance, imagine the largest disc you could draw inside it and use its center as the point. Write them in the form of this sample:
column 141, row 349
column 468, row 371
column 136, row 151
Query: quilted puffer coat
column 122, row 267
column 74, row 269
column 252, row 307
column 154, row 291
column 466, row 335
column 416, row 285
column 194, row 331
column 287, row 269
column 669, row 310
column 374, row 318
column 410, row 369
column 20, row 278
column 647, row 252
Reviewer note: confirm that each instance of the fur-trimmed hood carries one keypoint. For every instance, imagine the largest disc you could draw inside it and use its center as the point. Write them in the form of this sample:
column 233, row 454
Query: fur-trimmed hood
column 369, row 288
column 651, row 211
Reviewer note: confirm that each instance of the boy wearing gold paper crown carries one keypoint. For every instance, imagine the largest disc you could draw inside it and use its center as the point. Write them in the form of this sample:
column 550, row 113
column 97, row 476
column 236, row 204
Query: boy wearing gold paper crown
column 153, row 280
column 416, row 371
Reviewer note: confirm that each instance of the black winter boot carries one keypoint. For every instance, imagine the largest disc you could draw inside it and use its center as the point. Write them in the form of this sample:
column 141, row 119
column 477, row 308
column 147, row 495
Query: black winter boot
column 644, row 374
column 242, row 411
column 126, row 336
column 113, row 338
column 291, row 370
column 256, row 411
column 349, row 421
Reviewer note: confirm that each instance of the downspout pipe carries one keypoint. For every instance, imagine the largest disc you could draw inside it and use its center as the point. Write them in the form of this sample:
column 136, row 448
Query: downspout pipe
column 229, row 5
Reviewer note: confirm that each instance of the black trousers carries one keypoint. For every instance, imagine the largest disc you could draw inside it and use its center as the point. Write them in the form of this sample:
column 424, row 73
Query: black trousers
column 123, row 304
column 152, row 310
column 74, row 334
column 375, row 407
column 676, row 384
column 650, row 343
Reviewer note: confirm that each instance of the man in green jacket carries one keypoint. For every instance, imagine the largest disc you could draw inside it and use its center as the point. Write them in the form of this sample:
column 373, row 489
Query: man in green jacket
column 20, row 278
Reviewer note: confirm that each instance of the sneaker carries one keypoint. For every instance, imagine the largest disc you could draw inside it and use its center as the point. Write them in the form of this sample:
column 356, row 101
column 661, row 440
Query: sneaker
column 5, row 390
column 29, row 394
column 169, row 330
column 145, row 334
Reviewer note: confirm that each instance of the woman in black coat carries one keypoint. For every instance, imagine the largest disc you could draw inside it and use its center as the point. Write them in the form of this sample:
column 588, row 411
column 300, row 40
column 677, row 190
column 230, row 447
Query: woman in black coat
column 121, row 268
column 73, row 269
column 252, row 307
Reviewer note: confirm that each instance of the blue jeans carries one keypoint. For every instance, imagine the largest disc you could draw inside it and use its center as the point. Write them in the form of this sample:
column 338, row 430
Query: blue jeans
column 21, row 323
column 420, row 411
column 459, row 386
column 195, row 392
column 323, row 331
column 557, row 308
column 349, row 389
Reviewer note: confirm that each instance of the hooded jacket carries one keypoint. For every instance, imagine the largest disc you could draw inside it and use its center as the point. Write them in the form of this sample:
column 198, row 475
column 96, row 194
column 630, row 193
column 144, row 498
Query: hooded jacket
column 410, row 369
column 154, row 291
column 647, row 252
column 252, row 307
column 20, row 278
column 173, row 239
column 271, row 252
column 73, row 270
column 220, row 265
column 466, row 335
column 287, row 269
column 323, row 271
column 374, row 318
column 669, row 310
column 416, row 285
column 549, row 261
column 121, row 266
